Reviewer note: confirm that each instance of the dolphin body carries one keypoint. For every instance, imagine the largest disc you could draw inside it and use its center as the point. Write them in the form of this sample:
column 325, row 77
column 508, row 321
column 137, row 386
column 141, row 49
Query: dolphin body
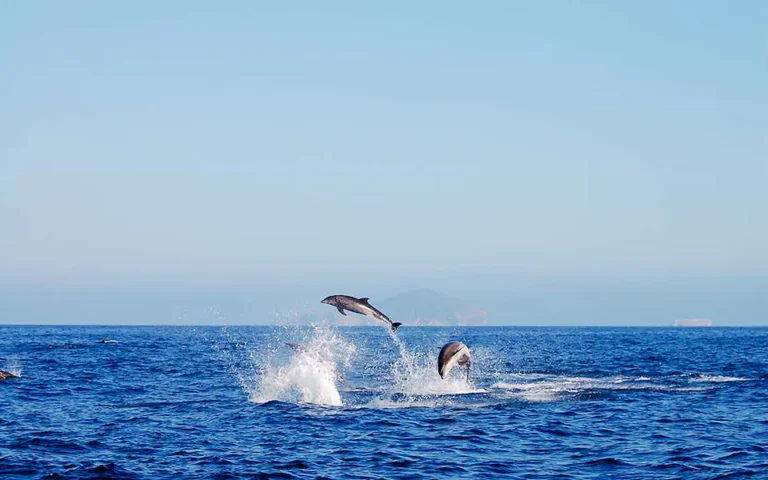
column 358, row 305
column 6, row 375
column 452, row 354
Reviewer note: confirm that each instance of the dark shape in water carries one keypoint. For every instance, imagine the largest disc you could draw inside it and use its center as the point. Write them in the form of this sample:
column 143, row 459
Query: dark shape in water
column 6, row 375
column 359, row 305
column 297, row 347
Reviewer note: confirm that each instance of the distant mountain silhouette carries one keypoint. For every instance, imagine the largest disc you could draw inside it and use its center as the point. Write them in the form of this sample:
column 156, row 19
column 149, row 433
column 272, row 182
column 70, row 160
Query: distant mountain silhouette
column 417, row 307
column 427, row 307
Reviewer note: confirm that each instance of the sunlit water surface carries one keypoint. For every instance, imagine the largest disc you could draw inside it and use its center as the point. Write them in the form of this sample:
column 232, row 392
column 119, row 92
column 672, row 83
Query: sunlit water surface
column 236, row 402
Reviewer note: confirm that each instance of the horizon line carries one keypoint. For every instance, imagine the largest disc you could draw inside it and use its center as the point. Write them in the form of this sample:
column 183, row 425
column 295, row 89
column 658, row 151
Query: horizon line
column 369, row 326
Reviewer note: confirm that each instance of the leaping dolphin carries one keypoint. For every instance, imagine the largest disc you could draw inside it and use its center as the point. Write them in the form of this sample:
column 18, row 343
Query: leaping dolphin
column 452, row 354
column 358, row 305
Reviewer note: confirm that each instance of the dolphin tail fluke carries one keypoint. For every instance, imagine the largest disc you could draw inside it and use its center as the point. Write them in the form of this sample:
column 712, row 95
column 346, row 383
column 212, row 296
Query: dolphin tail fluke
column 395, row 325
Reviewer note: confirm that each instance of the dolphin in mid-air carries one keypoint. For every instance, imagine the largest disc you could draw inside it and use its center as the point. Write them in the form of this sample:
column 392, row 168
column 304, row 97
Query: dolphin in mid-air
column 6, row 375
column 452, row 354
column 358, row 305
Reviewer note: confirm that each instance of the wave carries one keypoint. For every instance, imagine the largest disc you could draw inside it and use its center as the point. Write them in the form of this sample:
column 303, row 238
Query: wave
column 704, row 378
column 548, row 388
column 434, row 402
column 389, row 403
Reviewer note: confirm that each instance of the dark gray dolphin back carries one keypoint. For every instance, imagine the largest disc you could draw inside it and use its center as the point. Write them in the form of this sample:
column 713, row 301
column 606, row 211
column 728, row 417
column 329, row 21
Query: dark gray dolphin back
column 351, row 303
column 365, row 302
column 6, row 375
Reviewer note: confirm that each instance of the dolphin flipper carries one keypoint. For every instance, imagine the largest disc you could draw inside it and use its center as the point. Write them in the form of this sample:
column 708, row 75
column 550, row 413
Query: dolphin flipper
column 341, row 310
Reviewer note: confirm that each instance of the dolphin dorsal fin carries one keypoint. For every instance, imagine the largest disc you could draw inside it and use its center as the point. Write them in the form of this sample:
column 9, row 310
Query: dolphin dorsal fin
column 364, row 300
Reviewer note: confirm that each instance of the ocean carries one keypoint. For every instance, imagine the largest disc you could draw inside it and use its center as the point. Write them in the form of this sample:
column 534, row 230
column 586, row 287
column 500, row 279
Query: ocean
column 358, row 402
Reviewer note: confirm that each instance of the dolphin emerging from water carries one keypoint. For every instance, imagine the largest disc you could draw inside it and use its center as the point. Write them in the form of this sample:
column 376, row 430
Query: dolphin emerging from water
column 6, row 375
column 358, row 305
column 452, row 354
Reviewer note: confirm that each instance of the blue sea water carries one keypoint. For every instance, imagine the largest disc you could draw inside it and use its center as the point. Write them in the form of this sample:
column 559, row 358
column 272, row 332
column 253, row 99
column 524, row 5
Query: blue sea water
column 236, row 402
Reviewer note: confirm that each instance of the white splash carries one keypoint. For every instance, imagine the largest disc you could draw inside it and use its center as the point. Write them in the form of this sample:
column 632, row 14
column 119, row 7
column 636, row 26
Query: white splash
column 381, row 403
column 416, row 374
column 549, row 388
column 14, row 367
column 310, row 376
column 545, row 391
column 704, row 378
column 533, row 392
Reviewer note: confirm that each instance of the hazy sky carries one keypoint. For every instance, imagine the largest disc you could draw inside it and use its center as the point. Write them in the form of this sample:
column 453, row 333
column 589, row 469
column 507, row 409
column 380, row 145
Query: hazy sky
column 183, row 142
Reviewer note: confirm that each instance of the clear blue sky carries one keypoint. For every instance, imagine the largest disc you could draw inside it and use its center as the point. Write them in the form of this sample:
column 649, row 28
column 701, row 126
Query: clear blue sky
column 177, row 143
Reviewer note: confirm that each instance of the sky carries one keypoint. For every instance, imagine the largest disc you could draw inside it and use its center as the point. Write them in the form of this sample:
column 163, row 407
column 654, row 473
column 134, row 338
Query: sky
column 192, row 145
